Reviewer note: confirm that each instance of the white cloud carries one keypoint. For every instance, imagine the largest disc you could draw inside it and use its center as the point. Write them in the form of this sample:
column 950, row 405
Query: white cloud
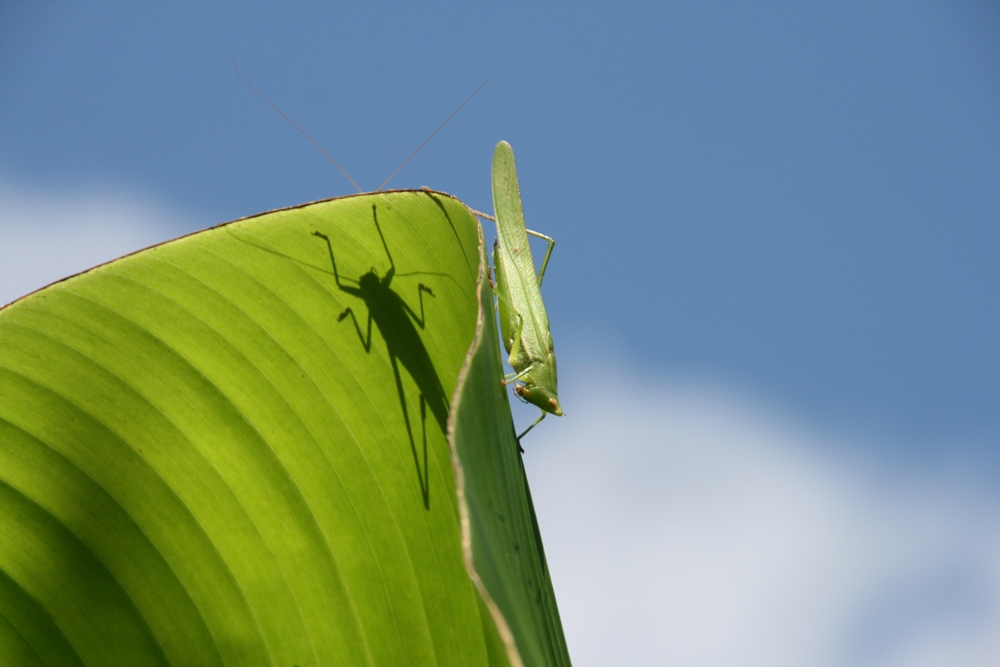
column 46, row 236
column 684, row 525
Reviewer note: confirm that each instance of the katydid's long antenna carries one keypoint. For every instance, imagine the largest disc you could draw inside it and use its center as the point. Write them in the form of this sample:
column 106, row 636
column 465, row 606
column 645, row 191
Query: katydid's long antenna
column 447, row 120
column 303, row 132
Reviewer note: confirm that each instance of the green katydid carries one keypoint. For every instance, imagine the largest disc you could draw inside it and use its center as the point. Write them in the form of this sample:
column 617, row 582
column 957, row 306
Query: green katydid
column 524, row 324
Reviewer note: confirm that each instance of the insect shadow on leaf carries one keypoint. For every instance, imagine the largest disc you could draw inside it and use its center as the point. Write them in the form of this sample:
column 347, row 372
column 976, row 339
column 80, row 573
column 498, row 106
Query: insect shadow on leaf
column 394, row 319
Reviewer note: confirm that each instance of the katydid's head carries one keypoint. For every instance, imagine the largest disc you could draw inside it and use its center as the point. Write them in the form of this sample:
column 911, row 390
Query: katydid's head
column 543, row 398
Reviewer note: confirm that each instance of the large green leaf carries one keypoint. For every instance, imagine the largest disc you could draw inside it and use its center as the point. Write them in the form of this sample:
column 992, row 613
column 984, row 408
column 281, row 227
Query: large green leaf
column 241, row 447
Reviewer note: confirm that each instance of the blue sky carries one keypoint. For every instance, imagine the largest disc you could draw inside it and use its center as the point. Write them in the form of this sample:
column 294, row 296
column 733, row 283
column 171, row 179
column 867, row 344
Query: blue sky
column 778, row 239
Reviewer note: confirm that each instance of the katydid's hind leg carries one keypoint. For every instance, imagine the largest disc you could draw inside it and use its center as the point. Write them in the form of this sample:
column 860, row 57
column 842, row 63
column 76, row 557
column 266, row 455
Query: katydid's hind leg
column 515, row 342
column 515, row 348
column 548, row 253
column 501, row 296
column 530, row 427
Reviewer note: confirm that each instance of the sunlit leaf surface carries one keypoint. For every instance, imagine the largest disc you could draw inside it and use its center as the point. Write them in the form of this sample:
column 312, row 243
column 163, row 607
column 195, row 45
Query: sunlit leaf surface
column 233, row 449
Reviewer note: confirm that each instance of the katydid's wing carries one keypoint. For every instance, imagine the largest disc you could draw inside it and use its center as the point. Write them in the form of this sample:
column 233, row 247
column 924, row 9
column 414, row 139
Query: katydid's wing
column 515, row 254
